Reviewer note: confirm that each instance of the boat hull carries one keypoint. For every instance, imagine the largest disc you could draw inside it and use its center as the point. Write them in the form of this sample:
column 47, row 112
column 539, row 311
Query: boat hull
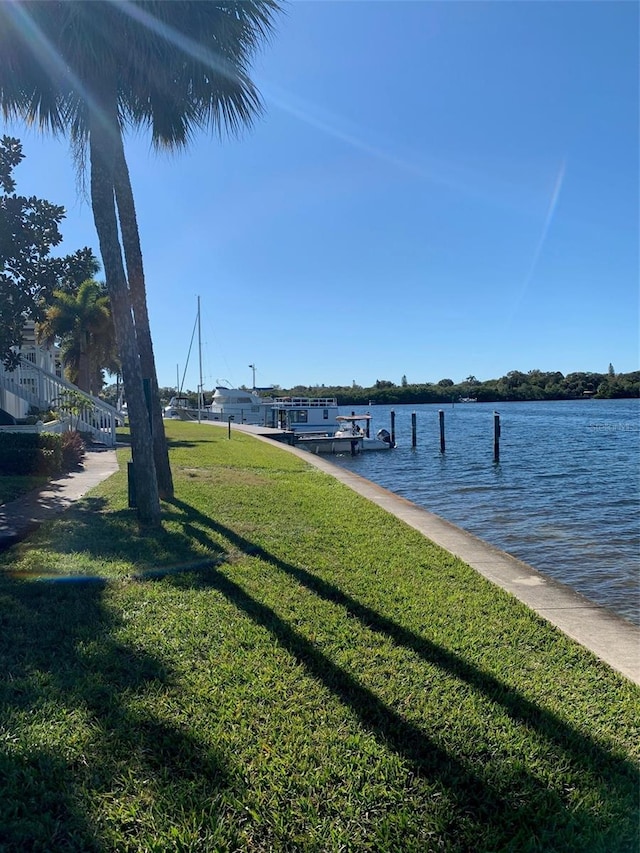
column 352, row 445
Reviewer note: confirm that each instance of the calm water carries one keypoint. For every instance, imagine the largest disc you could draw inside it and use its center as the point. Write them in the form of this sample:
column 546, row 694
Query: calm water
column 565, row 496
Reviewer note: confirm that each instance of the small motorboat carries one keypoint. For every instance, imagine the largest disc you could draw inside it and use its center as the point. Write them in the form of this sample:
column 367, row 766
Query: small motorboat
column 350, row 437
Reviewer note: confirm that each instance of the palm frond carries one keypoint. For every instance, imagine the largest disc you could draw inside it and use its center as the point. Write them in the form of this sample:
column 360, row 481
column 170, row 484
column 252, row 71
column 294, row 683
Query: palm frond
column 177, row 66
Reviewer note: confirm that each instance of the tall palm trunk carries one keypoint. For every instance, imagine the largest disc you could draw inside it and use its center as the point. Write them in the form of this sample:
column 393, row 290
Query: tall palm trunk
column 84, row 367
column 96, row 379
column 103, row 134
column 137, row 291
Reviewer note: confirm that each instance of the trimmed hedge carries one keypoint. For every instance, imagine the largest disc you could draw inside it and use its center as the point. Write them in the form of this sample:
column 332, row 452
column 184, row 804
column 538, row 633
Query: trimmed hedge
column 28, row 453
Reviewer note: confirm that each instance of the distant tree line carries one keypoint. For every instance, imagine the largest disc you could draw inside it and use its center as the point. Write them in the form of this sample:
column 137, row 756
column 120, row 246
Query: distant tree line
column 534, row 385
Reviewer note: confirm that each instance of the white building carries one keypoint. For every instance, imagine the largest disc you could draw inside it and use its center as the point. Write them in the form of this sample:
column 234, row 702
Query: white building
column 42, row 357
column 38, row 384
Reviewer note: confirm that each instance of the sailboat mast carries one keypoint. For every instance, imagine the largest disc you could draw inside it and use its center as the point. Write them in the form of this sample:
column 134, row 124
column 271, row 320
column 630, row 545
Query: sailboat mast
column 200, row 400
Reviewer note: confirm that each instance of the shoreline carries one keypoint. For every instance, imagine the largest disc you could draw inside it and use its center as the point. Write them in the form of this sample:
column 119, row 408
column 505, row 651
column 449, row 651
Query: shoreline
column 611, row 637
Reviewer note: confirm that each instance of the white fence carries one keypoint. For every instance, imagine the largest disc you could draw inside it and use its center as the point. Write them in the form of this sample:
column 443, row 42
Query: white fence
column 29, row 385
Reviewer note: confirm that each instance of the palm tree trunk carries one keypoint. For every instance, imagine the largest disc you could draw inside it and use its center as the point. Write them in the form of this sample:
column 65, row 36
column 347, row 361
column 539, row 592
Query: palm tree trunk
column 96, row 380
column 137, row 291
column 84, row 367
column 103, row 134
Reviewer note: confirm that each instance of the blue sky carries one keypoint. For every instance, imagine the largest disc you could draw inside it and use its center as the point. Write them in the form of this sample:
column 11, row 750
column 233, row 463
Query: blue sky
column 435, row 190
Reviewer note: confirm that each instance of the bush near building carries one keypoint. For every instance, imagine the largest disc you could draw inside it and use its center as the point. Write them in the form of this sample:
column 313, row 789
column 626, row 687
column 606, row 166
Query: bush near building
column 46, row 454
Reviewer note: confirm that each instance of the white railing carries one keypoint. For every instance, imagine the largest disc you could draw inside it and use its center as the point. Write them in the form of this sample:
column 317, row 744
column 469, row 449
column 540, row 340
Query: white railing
column 307, row 402
column 43, row 390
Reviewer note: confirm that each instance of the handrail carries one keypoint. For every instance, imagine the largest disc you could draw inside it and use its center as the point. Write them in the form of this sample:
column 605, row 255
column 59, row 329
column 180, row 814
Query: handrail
column 310, row 402
column 38, row 387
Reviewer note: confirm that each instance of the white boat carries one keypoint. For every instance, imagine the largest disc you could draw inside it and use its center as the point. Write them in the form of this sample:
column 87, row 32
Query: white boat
column 240, row 406
column 350, row 437
column 311, row 415
column 308, row 415
column 181, row 408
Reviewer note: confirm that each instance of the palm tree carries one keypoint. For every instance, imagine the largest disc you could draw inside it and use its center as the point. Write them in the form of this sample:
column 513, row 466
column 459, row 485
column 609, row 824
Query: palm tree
column 83, row 324
column 92, row 70
column 203, row 80
column 51, row 72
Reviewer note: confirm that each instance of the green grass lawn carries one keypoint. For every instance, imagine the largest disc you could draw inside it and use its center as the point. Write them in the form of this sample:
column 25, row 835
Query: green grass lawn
column 285, row 667
column 14, row 487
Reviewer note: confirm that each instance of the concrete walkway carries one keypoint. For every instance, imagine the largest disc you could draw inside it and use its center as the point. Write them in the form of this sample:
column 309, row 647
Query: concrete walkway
column 612, row 638
column 18, row 518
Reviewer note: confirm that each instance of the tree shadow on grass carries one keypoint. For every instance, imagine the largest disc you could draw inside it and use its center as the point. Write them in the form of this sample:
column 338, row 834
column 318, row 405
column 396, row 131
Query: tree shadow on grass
column 78, row 729
column 176, row 442
column 533, row 801
column 29, row 512
column 512, row 805
column 85, row 529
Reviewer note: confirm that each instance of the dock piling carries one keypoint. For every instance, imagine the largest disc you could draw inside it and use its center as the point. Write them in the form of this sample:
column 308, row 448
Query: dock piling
column 441, row 419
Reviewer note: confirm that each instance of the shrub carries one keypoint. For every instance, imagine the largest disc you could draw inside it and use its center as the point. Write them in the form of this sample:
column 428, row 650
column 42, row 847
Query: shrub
column 30, row 453
column 73, row 449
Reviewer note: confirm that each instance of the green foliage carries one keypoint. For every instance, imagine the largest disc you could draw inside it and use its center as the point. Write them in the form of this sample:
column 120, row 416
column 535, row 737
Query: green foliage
column 43, row 454
column 14, row 486
column 73, row 404
column 30, row 453
column 29, row 230
column 81, row 320
column 264, row 673
column 535, row 385
column 168, row 67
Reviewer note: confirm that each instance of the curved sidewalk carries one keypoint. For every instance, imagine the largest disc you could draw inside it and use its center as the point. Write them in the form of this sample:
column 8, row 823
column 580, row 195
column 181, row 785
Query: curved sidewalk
column 18, row 518
column 610, row 637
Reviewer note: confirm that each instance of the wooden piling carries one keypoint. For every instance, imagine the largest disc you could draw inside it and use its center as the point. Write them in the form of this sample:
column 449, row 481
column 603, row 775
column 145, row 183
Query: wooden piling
column 441, row 419
column 393, row 428
column 496, row 437
column 413, row 429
